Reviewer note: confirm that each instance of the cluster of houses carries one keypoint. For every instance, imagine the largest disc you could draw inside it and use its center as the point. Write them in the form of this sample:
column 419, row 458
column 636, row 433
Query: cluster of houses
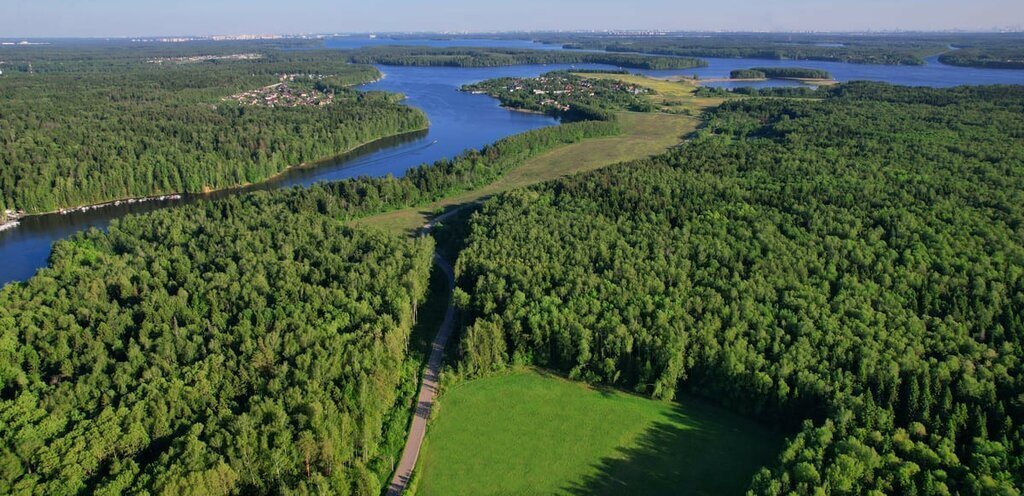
column 195, row 59
column 235, row 37
column 246, row 37
column 283, row 95
column 551, row 89
column 22, row 43
column 559, row 91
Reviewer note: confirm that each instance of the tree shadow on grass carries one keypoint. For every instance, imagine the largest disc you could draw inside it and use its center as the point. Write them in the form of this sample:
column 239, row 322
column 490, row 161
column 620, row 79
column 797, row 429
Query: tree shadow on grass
column 697, row 450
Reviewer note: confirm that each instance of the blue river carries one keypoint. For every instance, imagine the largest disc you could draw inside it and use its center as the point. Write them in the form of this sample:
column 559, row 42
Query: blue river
column 458, row 121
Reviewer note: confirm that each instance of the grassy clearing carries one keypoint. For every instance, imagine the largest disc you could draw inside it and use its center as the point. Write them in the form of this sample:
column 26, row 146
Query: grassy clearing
column 533, row 433
column 643, row 134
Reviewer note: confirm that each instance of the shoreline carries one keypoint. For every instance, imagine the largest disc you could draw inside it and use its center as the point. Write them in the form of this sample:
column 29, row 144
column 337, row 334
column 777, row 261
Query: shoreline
column 12, row 219
column 10, row 224
column 313, row 163
column 175, row 196
column 506, row 107
column 526, row 111
column 114, row 203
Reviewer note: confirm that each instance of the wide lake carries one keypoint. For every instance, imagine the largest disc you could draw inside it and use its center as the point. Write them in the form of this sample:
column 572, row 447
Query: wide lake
column 458, row 121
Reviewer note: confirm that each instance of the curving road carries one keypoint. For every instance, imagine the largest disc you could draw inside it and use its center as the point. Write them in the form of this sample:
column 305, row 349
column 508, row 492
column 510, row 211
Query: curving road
column 425, row 400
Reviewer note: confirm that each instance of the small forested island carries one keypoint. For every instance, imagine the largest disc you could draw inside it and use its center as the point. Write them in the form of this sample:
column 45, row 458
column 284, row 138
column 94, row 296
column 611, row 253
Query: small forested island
column 780, row 73
column 567, row 95
column 83, row 127
column 494, row 57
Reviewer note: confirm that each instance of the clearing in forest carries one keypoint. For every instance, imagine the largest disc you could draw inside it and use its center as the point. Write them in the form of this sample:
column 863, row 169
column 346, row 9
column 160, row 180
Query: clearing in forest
column 534, row 433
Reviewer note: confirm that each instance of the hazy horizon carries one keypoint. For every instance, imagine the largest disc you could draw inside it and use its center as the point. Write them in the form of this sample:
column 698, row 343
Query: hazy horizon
column 124, row 18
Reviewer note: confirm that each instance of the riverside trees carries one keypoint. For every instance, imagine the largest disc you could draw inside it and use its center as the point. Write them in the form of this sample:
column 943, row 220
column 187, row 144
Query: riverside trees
column 430, row 182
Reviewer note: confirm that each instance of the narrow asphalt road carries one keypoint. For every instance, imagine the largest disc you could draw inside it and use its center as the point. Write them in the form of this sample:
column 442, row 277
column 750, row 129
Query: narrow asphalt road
column 425, row 400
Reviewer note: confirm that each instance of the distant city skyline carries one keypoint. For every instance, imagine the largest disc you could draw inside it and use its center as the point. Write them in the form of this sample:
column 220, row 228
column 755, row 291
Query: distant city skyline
column 126, row 18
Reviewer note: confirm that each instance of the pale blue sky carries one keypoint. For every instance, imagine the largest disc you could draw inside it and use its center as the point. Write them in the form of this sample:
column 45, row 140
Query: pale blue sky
column 33, row 18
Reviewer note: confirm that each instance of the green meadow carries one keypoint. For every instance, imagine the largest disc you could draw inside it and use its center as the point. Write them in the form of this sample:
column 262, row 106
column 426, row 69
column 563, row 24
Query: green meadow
column 530, row 432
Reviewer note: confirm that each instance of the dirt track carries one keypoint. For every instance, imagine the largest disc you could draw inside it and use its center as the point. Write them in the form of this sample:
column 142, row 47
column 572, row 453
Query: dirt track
column 428, row 389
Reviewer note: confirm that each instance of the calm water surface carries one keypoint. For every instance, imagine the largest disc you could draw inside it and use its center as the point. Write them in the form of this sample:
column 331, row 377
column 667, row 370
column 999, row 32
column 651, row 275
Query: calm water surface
column 459, row 121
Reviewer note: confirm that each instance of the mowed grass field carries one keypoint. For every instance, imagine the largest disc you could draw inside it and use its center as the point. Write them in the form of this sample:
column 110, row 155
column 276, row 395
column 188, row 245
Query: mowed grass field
column 534, row 433
column 643, row 134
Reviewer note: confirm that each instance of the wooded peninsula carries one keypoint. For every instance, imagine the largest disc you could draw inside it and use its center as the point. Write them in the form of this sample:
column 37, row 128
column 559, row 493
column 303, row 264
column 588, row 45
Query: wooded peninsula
column 77, row 132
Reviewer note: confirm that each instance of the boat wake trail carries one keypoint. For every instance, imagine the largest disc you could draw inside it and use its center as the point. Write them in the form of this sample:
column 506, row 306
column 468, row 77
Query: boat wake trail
column 403, row 153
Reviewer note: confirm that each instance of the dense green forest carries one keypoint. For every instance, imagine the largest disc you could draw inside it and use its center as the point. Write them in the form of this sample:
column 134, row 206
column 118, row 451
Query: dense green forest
column 567, row 95
column 250, row 345
column 850, row 270
column 227, row 347
column 495, row 57
column 772, row 91
column 75, row 132
column 81, row 55
column 989, row 49
column 247, row 345
column 780, row 73
column 988, row 58
column 892, row 50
